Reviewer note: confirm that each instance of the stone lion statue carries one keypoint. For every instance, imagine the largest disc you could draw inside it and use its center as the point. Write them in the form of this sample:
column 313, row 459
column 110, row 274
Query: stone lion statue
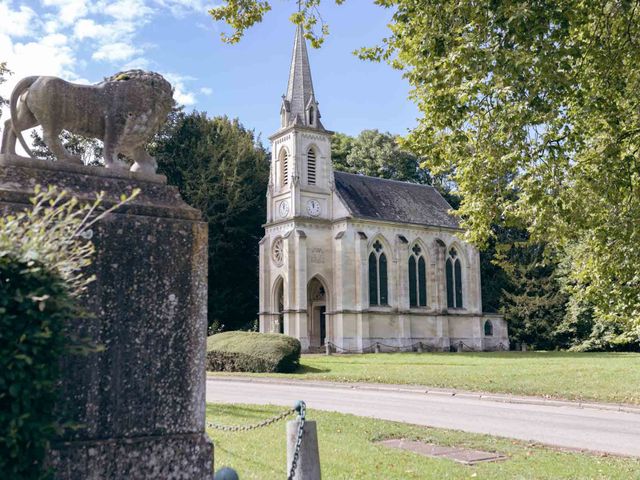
column 124, row 111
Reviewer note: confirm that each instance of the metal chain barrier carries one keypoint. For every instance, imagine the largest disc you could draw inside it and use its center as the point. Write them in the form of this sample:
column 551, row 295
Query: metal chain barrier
column 301, row 408
column 245, row 428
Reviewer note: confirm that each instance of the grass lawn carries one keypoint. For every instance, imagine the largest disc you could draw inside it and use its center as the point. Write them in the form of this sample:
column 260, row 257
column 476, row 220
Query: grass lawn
column 347, row 451
column 600, row 377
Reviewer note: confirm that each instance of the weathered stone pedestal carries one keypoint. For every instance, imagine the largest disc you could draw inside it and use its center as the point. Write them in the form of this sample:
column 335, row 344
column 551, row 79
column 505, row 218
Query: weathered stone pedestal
column 141, row 401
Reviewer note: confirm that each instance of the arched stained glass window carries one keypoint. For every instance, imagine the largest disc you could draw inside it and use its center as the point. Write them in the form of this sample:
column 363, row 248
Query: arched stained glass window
column 453, row 269
column 449, row 268
column 373, row 279
column 378, row 276
column 413, row 285
column 417, row 278
column 422, row 282
column 384, row 291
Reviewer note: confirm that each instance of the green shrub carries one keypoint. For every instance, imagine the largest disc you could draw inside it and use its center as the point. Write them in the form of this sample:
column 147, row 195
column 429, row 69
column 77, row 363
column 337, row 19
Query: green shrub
column 35, row 306
column 252, row 352
column 43, row 253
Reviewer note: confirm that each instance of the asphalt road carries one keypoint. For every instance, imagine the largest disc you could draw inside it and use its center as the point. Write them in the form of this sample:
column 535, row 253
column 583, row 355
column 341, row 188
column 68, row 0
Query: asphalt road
column 563, row 424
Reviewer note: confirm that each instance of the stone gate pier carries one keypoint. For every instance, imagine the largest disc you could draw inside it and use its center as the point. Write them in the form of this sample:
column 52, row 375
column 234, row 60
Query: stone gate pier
column 139, row 403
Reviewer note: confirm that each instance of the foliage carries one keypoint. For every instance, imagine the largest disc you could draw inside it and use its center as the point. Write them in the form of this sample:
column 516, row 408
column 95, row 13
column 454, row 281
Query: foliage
column 377, row 154
column 221, row 169
column 242, row 14
column 341, row 146
column 88, row 149
column 252, row 352
column 55, row 233
column 35, row 306
column 43, row 252
column 532, row 103
column 4, row 71
column 348, row 450
column 535, row 304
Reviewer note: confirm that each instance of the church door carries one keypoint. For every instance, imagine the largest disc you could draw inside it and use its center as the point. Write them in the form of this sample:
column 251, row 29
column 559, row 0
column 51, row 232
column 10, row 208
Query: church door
column 317, row 308
column 323, row 324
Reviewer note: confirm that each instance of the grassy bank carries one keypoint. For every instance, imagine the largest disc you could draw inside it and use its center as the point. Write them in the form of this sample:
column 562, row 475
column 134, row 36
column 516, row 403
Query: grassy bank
column 599, row 377
column 347, row 451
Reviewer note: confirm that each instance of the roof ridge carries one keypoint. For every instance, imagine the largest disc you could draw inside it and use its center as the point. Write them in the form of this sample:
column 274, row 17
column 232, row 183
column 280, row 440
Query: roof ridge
column 404, row 182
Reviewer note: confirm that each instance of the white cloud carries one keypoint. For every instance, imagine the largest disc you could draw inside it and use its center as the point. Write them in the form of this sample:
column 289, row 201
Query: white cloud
column 16, row 23
column 137, row 63
column 68, row 10
column 115, row 52
column 49, row 55
column 206, row 91
column 87, row 28
column 126, row 9
column 181, row 93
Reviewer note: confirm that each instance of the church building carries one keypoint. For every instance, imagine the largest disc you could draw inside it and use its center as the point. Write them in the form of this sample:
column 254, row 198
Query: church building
column 358, row 261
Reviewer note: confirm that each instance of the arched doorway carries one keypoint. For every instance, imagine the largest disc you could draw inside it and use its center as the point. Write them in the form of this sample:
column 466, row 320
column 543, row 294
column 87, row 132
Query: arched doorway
column 279, row 306
column 317, row 297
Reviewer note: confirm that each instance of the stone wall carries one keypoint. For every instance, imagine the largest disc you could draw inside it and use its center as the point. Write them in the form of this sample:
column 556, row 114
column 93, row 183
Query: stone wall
column 140, row 402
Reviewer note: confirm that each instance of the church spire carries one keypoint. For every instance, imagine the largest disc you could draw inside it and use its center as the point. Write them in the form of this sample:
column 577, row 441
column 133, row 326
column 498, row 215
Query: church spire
column 299, row 106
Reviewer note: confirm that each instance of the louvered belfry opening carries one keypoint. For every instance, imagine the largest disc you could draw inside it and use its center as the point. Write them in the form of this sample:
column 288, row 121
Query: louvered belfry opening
column 284, row 161
column 311, row 167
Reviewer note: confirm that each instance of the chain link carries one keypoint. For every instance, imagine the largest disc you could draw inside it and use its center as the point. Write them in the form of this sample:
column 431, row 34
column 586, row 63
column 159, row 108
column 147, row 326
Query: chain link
column 301, row 408
column 245, row 428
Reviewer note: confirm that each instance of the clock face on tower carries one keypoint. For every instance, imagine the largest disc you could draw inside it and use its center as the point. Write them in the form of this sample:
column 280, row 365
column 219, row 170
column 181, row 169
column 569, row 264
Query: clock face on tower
column 284, row 208
column 313, row 208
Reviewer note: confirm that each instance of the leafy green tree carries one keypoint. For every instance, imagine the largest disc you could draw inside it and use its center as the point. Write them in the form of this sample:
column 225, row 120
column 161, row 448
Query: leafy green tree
column 534, row 304
column 4, row 71
column 88, row 149
column 532, row 107
column 341, row 146
column 221, row 169
column 379, row 155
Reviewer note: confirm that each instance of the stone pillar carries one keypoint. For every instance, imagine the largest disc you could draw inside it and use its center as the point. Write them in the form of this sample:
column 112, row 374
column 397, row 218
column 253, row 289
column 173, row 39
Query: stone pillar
column 141, row 401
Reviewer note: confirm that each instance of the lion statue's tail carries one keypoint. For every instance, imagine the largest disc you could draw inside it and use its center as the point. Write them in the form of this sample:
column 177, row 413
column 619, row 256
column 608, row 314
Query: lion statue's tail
column 18, row 90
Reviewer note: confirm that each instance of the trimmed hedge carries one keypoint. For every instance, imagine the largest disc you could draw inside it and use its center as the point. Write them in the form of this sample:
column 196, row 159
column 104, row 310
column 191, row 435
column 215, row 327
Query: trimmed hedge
column 252, row 352
column 34, row 308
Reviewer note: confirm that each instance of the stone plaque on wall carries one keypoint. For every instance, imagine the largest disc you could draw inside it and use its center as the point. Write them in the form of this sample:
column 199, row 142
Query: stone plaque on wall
column 317, row 255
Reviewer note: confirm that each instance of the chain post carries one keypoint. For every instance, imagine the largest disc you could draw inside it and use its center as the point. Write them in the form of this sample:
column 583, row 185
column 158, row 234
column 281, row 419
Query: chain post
column 301, row 408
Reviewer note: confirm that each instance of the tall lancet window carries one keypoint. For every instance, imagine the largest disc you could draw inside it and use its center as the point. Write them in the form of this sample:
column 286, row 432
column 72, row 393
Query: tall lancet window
column 378, row 279
column 454, row 280
column 284, row 167
column 311, row 166
column 417, row 278
column 311, row 115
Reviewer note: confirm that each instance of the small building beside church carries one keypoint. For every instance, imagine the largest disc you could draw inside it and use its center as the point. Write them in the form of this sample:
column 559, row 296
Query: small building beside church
column 356, row 260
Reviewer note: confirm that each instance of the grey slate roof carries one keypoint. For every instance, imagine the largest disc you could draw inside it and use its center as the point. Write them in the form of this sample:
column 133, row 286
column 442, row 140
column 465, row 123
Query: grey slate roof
column 300, row 94
column 403, row 202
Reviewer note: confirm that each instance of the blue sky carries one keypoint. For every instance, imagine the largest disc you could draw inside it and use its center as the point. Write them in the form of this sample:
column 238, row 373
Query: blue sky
column 84, row 41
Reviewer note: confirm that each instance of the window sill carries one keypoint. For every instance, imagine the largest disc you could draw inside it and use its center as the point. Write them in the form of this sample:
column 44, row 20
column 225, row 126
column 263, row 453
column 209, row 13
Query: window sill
column 380, row 308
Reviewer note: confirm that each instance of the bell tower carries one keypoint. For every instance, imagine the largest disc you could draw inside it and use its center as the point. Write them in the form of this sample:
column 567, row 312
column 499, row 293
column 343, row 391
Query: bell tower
column 301, row 178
